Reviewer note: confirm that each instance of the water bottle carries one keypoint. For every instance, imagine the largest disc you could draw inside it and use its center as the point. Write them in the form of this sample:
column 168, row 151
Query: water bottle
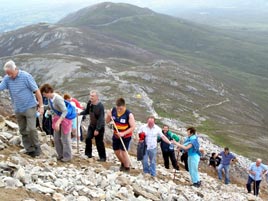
column 171, row 146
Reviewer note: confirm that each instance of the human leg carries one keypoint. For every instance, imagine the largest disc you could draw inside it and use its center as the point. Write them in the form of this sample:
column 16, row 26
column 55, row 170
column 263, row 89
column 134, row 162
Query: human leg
column 248, row 185
column 31, row 128
column 152, row 157
column 66, row 146
column 227, row 174
column 90, row 135
column 145, row 163
column 257, row 187
column 166, row 159
column 220, row 171
column 173, row 160
column 100, row 145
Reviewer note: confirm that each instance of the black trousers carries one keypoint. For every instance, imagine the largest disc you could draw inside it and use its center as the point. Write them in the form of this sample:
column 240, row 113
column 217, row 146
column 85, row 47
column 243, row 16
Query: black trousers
column 184, row 159
column 170, row 155
column 255, row 189
column 98, row 140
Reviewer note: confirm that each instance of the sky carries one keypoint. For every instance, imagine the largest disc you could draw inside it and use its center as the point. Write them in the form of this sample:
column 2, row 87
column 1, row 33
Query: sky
column 19, row 13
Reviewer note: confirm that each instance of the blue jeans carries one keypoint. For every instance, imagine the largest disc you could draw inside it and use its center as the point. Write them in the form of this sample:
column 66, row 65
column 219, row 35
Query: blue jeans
column 226, row 172
column 193, row 162
column 150, row 168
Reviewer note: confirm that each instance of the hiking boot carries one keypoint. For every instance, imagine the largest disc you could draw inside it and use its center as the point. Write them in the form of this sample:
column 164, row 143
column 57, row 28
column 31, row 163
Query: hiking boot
column 65, row 160
column 197, row 184
column 121, row 167
column 102, row 160
column 126, row 169
column 31, row 153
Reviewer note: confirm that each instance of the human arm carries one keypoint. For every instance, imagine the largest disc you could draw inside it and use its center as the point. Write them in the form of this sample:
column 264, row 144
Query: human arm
column 3, row 84
column 86, row 111
column 59, row 105
column 100, row 120
column 40, row 101
column 184, row 147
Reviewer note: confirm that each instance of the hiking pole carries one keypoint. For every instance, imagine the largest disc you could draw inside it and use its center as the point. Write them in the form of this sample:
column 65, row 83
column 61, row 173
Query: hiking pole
column 121, row 140
column 77, row 135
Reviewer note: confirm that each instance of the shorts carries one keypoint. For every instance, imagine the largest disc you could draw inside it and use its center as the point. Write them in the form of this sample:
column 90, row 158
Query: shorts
column 117, row 144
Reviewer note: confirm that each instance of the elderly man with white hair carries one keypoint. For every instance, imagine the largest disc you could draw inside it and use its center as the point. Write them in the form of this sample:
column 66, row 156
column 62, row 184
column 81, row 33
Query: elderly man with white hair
column 256, row 170
column 22, row 87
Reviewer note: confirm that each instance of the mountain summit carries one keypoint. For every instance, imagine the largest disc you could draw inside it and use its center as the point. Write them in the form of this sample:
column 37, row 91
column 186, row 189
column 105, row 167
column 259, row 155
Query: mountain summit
column 103, row 13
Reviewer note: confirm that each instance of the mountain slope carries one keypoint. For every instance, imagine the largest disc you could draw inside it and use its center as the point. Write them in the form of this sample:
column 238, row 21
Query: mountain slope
column 185, row 73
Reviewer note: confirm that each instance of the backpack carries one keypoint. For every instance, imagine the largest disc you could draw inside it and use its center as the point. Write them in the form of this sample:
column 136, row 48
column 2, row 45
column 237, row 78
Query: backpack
column 71, row 110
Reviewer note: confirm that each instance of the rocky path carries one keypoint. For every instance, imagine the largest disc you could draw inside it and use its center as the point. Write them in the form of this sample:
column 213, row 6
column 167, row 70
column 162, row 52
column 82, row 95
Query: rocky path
column 86, row 179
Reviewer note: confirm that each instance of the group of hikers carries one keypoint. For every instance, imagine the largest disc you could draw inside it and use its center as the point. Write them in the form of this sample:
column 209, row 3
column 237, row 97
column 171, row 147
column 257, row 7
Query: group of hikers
column 27, row 100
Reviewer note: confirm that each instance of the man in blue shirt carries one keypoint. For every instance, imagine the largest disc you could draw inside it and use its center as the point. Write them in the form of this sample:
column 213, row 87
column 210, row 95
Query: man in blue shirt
column 22, row 87
column 256, row 170
column 226, row 158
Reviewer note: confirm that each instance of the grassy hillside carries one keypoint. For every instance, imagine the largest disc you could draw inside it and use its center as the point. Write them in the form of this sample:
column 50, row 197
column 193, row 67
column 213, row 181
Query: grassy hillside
column 240, row 60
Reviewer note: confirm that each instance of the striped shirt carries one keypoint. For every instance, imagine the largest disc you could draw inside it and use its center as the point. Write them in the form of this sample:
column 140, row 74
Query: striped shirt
column 21, row 91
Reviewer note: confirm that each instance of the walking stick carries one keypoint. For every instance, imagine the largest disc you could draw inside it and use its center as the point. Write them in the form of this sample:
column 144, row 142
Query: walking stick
column 177, row 164
column 121, row 140
column 77, row 136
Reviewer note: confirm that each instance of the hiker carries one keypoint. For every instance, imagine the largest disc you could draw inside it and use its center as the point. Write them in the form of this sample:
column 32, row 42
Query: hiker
column 214, row 160
column 95, row 110
column 226, row 159
column 168, row 150
column 76, row 121
column 61, row 125
column 152, row 131
column 125, row 123
column 256, row 170
column 191, row 145
column 47, row 119
column 21, row 86
column 184, row 159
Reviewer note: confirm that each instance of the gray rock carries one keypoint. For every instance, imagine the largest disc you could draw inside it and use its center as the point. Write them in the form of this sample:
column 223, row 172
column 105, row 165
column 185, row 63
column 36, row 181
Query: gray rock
column 6, row 135
column 12, row 182
column 11, row 124
column 38, row 188
column 16, row 140
column 82, row 198
column 58, row 197
column 48, row 151
column 20, row 175
column 2, row 122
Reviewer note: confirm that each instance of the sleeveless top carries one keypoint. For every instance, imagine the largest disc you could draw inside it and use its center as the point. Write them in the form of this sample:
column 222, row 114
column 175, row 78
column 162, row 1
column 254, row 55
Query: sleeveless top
column 121, row 122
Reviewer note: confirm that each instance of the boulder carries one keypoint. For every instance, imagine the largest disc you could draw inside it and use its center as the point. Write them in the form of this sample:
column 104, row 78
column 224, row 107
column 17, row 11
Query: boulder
column 16, row 140
column 11, row 125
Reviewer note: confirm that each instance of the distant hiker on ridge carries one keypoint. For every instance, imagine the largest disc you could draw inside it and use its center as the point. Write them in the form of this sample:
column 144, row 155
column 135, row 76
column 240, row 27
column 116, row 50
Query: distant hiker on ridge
column 125, row 122
column 191, row 145
column 61, row 125
column 167, row 149
column 226, row 159
column 152, row 131
column 95, row 110
column 21, row 86
column 256, row 170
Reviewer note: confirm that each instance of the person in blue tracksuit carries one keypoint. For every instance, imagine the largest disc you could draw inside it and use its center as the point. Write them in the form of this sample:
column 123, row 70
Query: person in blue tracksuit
column 191, row 145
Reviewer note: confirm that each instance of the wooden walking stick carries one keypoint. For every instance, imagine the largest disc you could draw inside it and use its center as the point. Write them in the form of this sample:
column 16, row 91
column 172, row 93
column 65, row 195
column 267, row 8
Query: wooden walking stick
column 121, row 139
